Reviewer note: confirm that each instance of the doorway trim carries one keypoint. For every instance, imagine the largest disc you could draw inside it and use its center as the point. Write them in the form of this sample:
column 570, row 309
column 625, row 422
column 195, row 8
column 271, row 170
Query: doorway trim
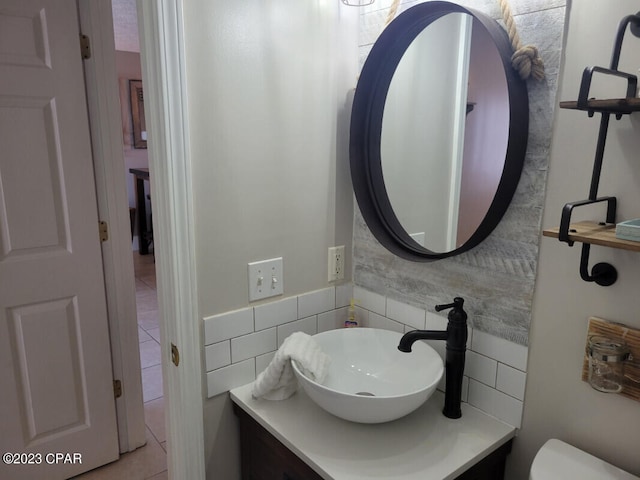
column 160, row 25
column 103, row 101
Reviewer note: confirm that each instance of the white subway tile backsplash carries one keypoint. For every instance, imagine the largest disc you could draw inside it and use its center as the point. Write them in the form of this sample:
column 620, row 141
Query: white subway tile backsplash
column 500, row 349
column 511, row 381
column 481, row 368
column 435, row 322
column 373, row 302
column 344, row 294
column 495, row 368
column 465, row 387
column 231, row 376
column 276, row 313
column 319, row 301
column 307, row 325
column 217, row 355
column 262, row 361
column 362, row 316
column 242, row 343
column 407, row 314
column 384, row 323
column 332, row 319
column 498, row 404
column 228, row 325
column 439, row 346
column 253, row 344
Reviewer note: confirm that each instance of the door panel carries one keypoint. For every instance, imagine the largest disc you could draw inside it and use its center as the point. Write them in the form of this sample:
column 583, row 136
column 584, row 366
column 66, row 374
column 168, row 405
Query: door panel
column 56, row 382
column 36, row 174
column 48, row 333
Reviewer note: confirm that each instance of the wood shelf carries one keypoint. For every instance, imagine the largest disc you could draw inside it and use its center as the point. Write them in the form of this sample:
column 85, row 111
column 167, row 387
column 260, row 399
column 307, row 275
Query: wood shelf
column 595, row 234
column 612, row 105
column 592, row 233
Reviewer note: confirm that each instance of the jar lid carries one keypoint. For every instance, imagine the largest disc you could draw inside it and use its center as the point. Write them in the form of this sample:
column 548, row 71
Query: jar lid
column 607, row 349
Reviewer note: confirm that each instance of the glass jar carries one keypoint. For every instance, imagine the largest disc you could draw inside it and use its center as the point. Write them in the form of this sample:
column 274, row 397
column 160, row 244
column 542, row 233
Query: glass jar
column 606, row 363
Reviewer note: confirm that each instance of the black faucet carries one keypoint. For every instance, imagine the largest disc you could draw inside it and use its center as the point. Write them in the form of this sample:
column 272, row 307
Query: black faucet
column 456, row 338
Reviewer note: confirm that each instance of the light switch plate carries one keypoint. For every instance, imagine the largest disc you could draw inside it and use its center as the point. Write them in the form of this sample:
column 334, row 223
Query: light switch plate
column 265, row 279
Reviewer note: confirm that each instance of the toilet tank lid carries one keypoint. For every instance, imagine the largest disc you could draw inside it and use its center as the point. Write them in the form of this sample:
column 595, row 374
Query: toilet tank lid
column 559, row 460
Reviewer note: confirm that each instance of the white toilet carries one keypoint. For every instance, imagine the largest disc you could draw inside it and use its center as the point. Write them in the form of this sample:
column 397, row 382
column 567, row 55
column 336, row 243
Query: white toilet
column 557, row 460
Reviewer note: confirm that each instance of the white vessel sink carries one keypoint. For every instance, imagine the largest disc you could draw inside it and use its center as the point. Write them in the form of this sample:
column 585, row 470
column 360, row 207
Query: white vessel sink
column 370, row 380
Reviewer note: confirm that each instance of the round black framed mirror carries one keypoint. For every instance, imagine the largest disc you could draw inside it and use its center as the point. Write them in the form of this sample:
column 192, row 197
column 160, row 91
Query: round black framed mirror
column 409, row 138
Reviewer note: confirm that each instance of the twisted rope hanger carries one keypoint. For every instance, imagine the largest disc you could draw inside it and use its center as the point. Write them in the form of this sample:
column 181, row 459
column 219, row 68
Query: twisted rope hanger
column 393, row 9
column 526, row 59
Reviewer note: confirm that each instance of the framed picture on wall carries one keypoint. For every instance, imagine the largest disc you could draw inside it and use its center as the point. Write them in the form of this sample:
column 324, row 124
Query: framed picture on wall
column 137, row 114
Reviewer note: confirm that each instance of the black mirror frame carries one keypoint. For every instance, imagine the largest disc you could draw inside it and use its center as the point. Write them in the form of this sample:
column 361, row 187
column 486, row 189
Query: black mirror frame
column 366, row 129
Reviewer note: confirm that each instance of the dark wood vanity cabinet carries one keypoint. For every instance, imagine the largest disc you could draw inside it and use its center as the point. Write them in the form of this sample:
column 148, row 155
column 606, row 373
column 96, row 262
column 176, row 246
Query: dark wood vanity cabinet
column 266, row 458
column 490, row 467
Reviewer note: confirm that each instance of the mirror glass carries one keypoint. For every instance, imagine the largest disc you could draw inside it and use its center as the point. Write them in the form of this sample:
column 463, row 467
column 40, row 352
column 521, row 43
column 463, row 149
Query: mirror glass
column 439, row 128
column 445, row 129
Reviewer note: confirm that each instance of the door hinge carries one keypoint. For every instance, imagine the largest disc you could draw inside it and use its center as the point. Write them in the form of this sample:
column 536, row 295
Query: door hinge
column 85, row 47
column 103, row 229
column 117, row 388
column 175, row 355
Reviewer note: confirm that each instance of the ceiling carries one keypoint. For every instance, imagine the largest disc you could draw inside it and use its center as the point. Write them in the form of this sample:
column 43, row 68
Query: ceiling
column 125, row 25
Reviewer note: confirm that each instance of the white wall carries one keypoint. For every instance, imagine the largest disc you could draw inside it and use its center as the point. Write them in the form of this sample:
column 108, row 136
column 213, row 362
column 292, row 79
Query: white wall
column 268, row 85
column 557, row 403
column 419, row 136
column 267, row 89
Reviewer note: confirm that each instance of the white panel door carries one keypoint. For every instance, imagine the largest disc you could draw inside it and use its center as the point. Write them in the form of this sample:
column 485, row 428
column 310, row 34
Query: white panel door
column 56, row 383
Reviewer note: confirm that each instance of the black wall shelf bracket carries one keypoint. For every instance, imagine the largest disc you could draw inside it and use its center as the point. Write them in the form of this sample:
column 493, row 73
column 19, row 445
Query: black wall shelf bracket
column 603, row 274
column 567, row 210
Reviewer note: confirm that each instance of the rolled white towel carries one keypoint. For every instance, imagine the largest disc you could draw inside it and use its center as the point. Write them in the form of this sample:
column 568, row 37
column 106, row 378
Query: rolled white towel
column 278, row 380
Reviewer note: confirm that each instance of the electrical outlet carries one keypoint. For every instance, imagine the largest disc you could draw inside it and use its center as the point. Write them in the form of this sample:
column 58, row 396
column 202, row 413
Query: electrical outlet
column 336, row 263
column 265, row 279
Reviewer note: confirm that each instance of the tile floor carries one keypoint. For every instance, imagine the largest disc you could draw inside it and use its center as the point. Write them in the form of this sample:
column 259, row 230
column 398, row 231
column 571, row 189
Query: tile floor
column 148, row 462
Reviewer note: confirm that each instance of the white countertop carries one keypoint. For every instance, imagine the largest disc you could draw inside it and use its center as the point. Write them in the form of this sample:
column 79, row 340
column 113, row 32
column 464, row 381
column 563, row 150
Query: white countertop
column 422, row 445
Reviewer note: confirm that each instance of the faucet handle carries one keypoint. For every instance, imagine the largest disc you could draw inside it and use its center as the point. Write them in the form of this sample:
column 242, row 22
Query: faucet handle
column 457, row 315
column 458, row 302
